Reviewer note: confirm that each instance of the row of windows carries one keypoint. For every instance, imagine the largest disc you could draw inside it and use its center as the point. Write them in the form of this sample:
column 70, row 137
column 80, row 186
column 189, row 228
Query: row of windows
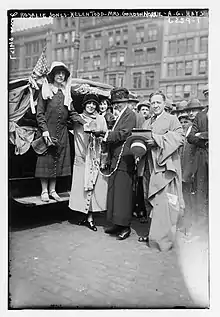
column 184, row 91
column 144, row 81
column 186, row 68
column 184, row 46
column 64, row 54
column 120, row 37
column 65, row 22
column 65, row 38
column 34, row 47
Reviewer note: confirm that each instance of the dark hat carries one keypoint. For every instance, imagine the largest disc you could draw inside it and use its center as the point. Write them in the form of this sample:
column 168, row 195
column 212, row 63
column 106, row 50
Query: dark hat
column 119, row 95
column 183, row 115
column 206, row 89
column 104, row 98
column 145, row 103
column 137, row 141
column 180, row 107
column 132, row 98
column 90, row 97
column 55, row 67
column 194, row 104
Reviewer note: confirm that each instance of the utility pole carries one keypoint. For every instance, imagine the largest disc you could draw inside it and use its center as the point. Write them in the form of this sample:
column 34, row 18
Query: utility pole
column 76, row 47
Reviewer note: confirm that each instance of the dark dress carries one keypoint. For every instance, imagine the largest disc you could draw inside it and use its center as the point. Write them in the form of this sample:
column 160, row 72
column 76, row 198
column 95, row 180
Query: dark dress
column 52, row 116
column 119, row 198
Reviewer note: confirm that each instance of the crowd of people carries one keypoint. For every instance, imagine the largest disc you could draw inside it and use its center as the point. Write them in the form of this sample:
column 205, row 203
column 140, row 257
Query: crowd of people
column 158, row 185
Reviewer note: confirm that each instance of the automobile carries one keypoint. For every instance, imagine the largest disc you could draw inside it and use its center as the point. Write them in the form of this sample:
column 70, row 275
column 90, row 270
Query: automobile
column 24, row 188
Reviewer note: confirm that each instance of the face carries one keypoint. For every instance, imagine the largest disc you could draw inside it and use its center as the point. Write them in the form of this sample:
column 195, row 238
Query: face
column 119, row 106
column 157, row 104
column 192, row 113
column 90, row 107
column 145, row 111
column 59, row 77
column 206, row 95
column 103, row 106
column 185, row 123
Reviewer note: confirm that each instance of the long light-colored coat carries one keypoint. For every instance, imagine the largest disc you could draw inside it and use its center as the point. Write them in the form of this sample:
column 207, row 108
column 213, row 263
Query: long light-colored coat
column 89, row 187
column 161, row 169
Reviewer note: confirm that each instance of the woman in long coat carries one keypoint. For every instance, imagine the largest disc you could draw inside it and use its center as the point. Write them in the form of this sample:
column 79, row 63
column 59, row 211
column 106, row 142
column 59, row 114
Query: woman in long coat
column 89, row 187
column 54, row 108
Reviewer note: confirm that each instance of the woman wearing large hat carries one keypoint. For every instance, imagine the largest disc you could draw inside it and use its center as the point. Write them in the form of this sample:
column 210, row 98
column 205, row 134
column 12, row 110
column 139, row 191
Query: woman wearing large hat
column 54, row 109
column 89, row 187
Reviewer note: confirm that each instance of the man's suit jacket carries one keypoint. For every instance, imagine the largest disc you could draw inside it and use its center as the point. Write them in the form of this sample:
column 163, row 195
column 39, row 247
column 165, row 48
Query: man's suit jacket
column 117, row 137
column 200, row 124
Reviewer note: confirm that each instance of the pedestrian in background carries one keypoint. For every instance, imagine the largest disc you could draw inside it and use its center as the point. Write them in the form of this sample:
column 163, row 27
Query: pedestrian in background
column 119, row 200
column 89, row 188
column 106, row 110
column 199, row 137
column 161, row 170
column 143, row 113
column 54, row 108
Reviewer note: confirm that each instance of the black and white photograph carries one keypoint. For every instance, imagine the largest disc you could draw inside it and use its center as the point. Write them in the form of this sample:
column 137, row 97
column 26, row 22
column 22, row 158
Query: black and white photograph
column 108, row 159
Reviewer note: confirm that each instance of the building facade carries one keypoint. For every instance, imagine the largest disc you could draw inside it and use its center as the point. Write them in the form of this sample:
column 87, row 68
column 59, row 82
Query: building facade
column 28, row 45
column 184, row 66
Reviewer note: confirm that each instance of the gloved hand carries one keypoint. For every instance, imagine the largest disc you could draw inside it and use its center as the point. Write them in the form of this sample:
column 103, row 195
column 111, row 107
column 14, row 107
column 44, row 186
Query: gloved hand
column 47, row 138
column 98, row 133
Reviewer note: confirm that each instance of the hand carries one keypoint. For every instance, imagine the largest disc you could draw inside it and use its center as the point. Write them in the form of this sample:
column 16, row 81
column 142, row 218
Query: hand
column 47, row 138
column 98, row 133
column 151, row 143
column 81, row 121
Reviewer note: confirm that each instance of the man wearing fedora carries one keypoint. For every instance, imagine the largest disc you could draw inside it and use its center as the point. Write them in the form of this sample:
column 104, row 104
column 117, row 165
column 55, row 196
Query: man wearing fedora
column 161, row 170
column 199, row 137
column 119, row 198
column 193, row 107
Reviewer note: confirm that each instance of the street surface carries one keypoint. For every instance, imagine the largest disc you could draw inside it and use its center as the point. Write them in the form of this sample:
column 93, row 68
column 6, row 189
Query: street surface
column 56, row 263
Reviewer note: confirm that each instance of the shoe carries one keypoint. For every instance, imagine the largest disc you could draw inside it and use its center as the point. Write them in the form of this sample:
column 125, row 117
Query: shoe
column 113, row 230
column 54, row 195
column 89, row 224
column 143, row 239
column 124, row 234
column 44, row 196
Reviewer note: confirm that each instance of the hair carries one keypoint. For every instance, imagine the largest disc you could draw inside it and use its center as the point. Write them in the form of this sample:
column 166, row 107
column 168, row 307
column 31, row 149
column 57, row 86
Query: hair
column 84, row 105
column 158, row 92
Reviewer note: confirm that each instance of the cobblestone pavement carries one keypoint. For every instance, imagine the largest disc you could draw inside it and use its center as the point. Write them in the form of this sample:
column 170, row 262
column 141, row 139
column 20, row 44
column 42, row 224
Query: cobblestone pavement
column 62, row 264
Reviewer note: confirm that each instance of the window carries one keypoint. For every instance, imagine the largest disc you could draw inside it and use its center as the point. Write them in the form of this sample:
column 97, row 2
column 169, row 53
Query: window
column 187, row 91
column 121, row 80
column 169, row 92
column 151, row 51
column 179, row 91
column 66, row 22
column 42, row 44
column 73, row 22
column 189, row 46
column 188, row 68
column 59, row 38
column 35, row 59
column 139, row 56
column 118, row 37
column 200, row 90
column 181, row 47
column 113, row 59
column 112, row 80
column 172, row 48
column 121, row 59
column 72, row 53
column 28, row 51
column 203, row 66
column 27, row 62
column 204, row 21
column 149, row 77
column 152, row 34
column 88, row 43
column 204, row 44
column 139, row 34
column 180, row 69
column 66, row 37
column 66, row 53
column 73, row 35
column 95, row 78
column 110, row 39
column 86, row 63
column 171, row 70
column 96, row 62
column 137, row 80
column 14, row 64
column 59, row 55
column 35, row 47
column 125, row 36
column 98, row 41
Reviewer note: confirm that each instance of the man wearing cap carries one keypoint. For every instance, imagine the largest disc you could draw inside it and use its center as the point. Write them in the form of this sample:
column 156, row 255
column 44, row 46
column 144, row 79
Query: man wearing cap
column 199, row 137
column 119, row 198
column 161, row 170
column 143, row 112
